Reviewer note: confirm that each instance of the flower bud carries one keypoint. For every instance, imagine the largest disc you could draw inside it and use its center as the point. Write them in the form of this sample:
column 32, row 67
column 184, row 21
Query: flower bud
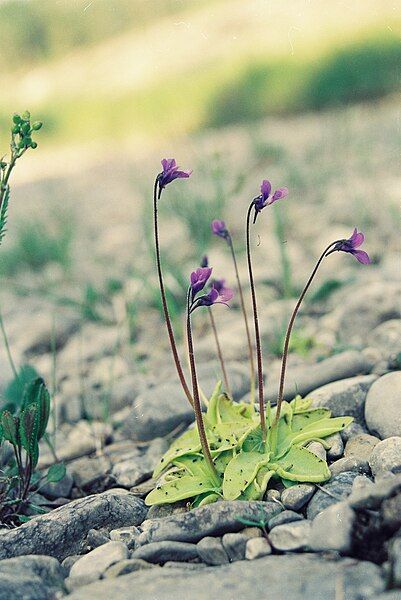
column 37, row 125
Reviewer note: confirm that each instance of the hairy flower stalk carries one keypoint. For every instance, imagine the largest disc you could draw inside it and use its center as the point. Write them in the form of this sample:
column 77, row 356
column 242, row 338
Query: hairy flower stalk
column 196, row 400
column 264, row 199
column 169, row 173
column 256, row 326
column 350, row 245
column 219, row 352
column 218, row 294
column 219, row 229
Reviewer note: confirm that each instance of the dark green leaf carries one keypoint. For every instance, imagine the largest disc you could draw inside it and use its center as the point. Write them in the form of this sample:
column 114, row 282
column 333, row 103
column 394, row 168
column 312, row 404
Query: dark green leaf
column 56, row 473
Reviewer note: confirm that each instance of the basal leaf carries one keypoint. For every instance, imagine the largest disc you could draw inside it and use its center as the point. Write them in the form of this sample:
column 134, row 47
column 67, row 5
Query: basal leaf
column 240, row 473
column 188, row 443
column 212, row 415
column 302, row 420
column 179, row 489
column 301, row 465
column 321, row 429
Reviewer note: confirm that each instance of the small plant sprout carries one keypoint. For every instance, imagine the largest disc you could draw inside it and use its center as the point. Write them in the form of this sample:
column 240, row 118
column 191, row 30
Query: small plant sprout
column 228, row 455
column 256, row 206
column 349, row 245
column 219, row 228
column 169, row 173
column 21, row 140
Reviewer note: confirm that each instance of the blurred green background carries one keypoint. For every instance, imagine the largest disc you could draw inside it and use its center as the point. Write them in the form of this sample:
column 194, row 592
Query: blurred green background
column 140, row 69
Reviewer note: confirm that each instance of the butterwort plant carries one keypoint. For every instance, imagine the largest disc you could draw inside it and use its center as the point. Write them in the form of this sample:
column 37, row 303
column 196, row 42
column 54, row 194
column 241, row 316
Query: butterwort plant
column 236, row 448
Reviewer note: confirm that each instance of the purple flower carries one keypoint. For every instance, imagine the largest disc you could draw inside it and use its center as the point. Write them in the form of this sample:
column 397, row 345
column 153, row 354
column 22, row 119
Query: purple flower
column 219, row 228
column 199, row 279
column 266, row 198
column 170, row 172
column 352, row 244
column 218, row 284
column 215, row 296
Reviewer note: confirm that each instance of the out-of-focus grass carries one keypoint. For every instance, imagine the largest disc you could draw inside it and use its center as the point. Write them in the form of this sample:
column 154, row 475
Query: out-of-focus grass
column 231, row 92
column 39, row 30
column 362, row 70
column 34, row 246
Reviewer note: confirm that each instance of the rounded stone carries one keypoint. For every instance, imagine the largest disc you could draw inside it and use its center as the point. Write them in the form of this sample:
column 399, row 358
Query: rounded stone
column 386, row 456
column 383, row 406
column 296, row 496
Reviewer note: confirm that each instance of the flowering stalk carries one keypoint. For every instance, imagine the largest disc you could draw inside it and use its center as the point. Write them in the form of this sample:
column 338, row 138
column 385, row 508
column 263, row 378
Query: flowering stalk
column 196, row 400
column 219, row 352
column 168, row 174
column 350, row 245
column 265, row 198
column 256, row 325
column 219, row 228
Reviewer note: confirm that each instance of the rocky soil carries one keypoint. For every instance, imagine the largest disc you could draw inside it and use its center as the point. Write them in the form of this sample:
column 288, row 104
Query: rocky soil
column 118, row 408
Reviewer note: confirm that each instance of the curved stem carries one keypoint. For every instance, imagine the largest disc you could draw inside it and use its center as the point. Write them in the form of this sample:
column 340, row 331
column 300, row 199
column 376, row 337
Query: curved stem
column 256, row 324
column 197, row 405
column 248, row 333
column 289, row 330
column 173, row 345
column 219, row 352
column 8, row 350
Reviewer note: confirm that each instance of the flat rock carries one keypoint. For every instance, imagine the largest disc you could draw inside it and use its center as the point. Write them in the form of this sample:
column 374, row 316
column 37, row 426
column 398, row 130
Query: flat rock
column 372, row 496
column 380, row 302
column 234, row 544
column 360, row 446
column 257, row 548
column 291, row 536
column 214, row 519
column 31, row 578
column 92, row 566
column 335, row 490
column 130, row 565
column 336, row 449
column 348, row 463
column 211, row 551
column 345, row 397
column 386, row 456
column 296, row 496
column 287, row 516
column 305, row 378
column 383, row 406
column 294, row 577
column 63, row 531
column 332, row 529
column 161, row 552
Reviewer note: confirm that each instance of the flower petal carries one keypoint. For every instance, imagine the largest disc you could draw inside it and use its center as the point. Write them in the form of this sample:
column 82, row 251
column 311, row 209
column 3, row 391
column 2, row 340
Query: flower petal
column 362, row 257
column 265, row 188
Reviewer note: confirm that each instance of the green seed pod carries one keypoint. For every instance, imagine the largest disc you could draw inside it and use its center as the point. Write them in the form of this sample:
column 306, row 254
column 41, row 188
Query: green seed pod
column 26, row 115
column 34, row 145
column 25, row 128
column 15, row 129
column 37, row 125
column 16, row 119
